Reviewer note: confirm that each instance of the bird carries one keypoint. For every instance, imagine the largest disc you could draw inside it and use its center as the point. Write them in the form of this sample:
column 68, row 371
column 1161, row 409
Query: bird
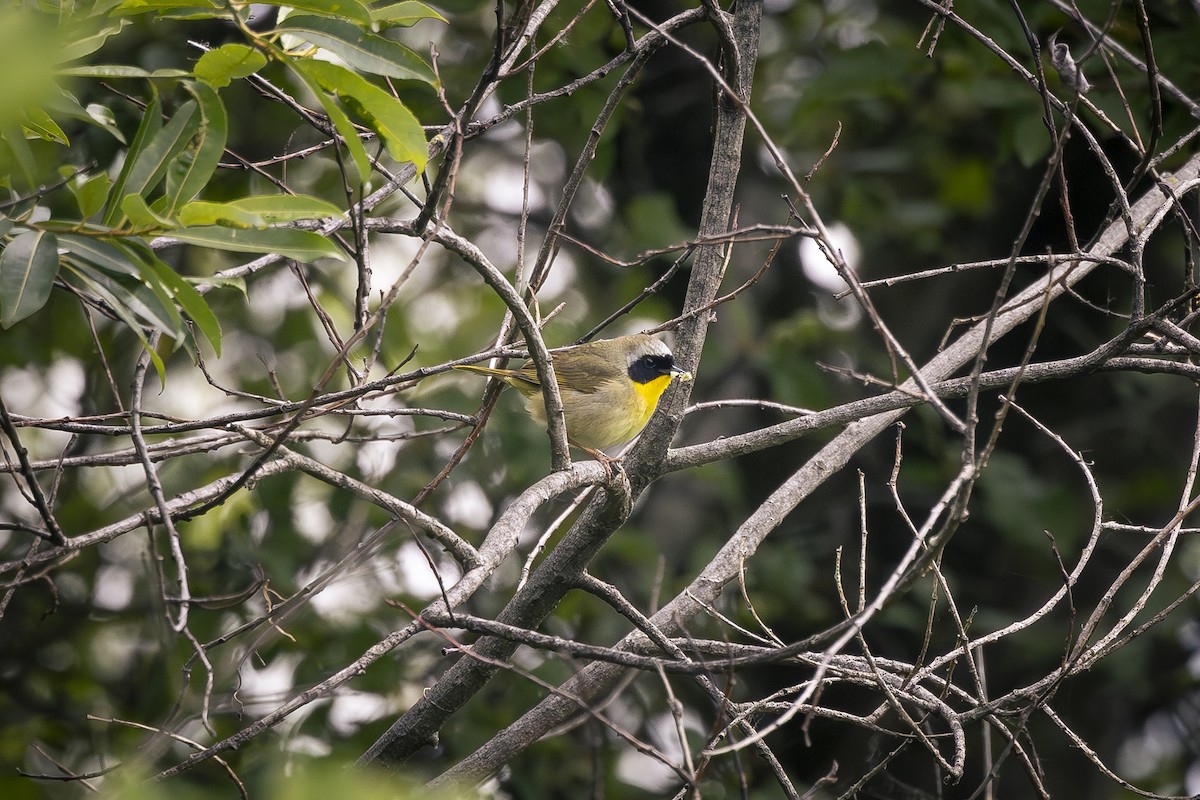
column 1064, row 63
column 609, row 389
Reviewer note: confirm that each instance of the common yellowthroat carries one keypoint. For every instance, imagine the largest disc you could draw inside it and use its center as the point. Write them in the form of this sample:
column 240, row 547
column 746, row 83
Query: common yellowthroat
column 609, row 388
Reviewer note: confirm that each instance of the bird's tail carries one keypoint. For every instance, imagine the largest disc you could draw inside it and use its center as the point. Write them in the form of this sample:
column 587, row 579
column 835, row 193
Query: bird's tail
column 499, row 373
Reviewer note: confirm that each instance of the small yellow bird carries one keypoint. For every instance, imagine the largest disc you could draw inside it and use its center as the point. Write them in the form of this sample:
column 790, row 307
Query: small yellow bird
column 609, row 388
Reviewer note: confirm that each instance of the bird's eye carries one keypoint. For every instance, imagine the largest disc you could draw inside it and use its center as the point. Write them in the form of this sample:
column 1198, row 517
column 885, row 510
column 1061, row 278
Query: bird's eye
column 649, row 367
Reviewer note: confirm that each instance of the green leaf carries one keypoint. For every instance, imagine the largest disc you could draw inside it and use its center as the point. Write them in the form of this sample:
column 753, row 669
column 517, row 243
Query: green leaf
column 382, row 113
column 348, row 132
column 187, row 297
column 79, row 46
column 257, row 211
column 287, row 207
column 192, row 11
column 120, row 269
column 103, row 117
column 361, row 50
column 141, row 215
column 221, row 66
column 150, row 126
column 338, row 9
column 119, row 71
column 99, row 253
column 200, row 212
column 288, row 242
column 404, row 14
column 93, row 9
column 152, row 301
column 191, row 170
column 153, row 163
column 143, row 307
column 152, row 155
column 341, row 122
column 38, row 123
column 91, row 193
column 95, row 282
column 63, row 104
column 155, row 293
column 28, row 267
column 143, row 6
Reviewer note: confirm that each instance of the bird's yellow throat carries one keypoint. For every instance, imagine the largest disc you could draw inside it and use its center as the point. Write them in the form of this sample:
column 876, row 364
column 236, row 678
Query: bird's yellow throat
column 650, row 392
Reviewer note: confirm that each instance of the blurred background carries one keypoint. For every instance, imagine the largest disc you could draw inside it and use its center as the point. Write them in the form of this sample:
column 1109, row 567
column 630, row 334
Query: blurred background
column 938, row 151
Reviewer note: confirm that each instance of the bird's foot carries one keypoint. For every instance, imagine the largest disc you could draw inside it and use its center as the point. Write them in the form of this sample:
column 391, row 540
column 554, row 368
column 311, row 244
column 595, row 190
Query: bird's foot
column 607, row 462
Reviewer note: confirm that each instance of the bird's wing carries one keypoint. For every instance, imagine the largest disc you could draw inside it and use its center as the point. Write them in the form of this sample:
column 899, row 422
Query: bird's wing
column 585, row 373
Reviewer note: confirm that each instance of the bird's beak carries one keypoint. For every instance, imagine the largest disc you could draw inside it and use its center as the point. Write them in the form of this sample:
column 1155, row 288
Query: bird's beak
column 682, row 374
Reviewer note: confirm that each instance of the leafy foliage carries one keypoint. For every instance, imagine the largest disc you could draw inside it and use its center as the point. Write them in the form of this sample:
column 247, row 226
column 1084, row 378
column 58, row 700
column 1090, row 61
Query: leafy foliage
column 174, row 154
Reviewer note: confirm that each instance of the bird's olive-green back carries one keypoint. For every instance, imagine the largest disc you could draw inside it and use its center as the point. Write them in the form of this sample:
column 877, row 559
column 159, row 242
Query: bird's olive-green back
column 582, row 368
